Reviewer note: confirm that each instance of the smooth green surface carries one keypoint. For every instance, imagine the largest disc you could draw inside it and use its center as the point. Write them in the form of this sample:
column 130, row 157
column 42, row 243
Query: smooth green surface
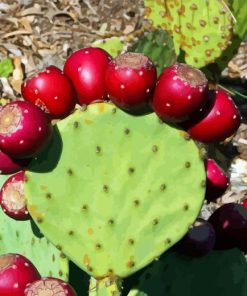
column 114, row 191
column 18, row 237
column 113, row 45
column 6, row 68
column 239, row 10
column 202, row 29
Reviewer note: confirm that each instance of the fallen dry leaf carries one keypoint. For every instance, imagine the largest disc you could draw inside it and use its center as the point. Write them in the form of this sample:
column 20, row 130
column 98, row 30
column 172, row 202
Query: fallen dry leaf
column 17, row 77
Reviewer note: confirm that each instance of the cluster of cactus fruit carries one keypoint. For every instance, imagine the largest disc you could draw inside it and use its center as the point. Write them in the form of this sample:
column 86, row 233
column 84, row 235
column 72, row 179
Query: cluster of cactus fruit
column 109, row 182
column 20, row 277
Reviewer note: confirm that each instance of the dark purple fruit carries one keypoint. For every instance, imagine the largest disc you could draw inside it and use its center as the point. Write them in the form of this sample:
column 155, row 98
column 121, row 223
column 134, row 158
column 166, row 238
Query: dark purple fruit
column 230, row 225
column 198, row 241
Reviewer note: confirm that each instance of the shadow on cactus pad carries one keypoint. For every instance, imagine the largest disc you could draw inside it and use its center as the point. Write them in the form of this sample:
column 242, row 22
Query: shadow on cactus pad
column 218, row 273
column 78, row 279
column 49, row 158
column 35, row 229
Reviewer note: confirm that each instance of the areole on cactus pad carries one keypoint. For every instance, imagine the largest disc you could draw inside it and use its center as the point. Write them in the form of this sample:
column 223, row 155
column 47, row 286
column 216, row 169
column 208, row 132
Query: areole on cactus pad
column 113, row 191
column 202, row 29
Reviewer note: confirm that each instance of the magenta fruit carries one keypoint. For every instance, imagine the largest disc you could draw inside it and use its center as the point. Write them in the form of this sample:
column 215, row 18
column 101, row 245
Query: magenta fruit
column 12, row 198
column 50, row 90
column 24, row 129
column 10, row 165
column 16, row 272
column 86, row 69
column 217, row 181
column 180, row 90
column 130, row 80
column 216, row 121
column 49, row 286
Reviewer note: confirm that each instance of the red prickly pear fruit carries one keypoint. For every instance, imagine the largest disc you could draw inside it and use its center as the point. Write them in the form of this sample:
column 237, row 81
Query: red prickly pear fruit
column 216, row 121
column 12, row 198
column 180, row 90
column 24, row 129
column 244, row 202
column 49, row 286
column 10, row 165
column 230, row 225
column 50, row 90
column 16, row 272
column 217, row 181
column 130, row 80
column 86, row 70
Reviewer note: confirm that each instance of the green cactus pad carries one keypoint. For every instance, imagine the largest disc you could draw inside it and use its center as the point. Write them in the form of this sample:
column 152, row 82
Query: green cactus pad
column 113, row 45
column 158, row 46
column 220, row 273
column 239, row 8
column 113, row 191
column 202, row 29
column 18, row 237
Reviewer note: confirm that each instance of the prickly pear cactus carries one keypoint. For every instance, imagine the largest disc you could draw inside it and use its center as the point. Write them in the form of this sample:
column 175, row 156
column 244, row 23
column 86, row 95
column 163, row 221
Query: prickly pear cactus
column 239, row 8
column 202, row 29
column 176, row 274
column 18, row 237
column 113, row 191
column 114, row 45
column 158, row 46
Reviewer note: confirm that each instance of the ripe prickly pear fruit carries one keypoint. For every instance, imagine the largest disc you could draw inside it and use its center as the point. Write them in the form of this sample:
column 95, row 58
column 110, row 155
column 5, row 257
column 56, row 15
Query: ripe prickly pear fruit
column 216, row 121
column 230, row 225
column 180, row 90
column 217, row 181
column 9, row 165
column 16, row 271
column 130, row 80
column 50, row 90
column 86, row 70
column 199, row 240
column 24, row 129
column 49, row 286
column 12, row 198
column 244, row 202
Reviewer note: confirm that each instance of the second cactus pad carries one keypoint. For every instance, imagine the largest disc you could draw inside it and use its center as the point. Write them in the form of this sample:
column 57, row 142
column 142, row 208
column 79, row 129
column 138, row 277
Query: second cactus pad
column 113, row 191
column 202, row 29
column 18, row 237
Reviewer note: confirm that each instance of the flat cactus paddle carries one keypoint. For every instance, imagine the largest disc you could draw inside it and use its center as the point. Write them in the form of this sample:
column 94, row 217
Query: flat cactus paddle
column 239, row 9
column 18, row 237
column 202, row 28
column 113, row 191
column 175, row 274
